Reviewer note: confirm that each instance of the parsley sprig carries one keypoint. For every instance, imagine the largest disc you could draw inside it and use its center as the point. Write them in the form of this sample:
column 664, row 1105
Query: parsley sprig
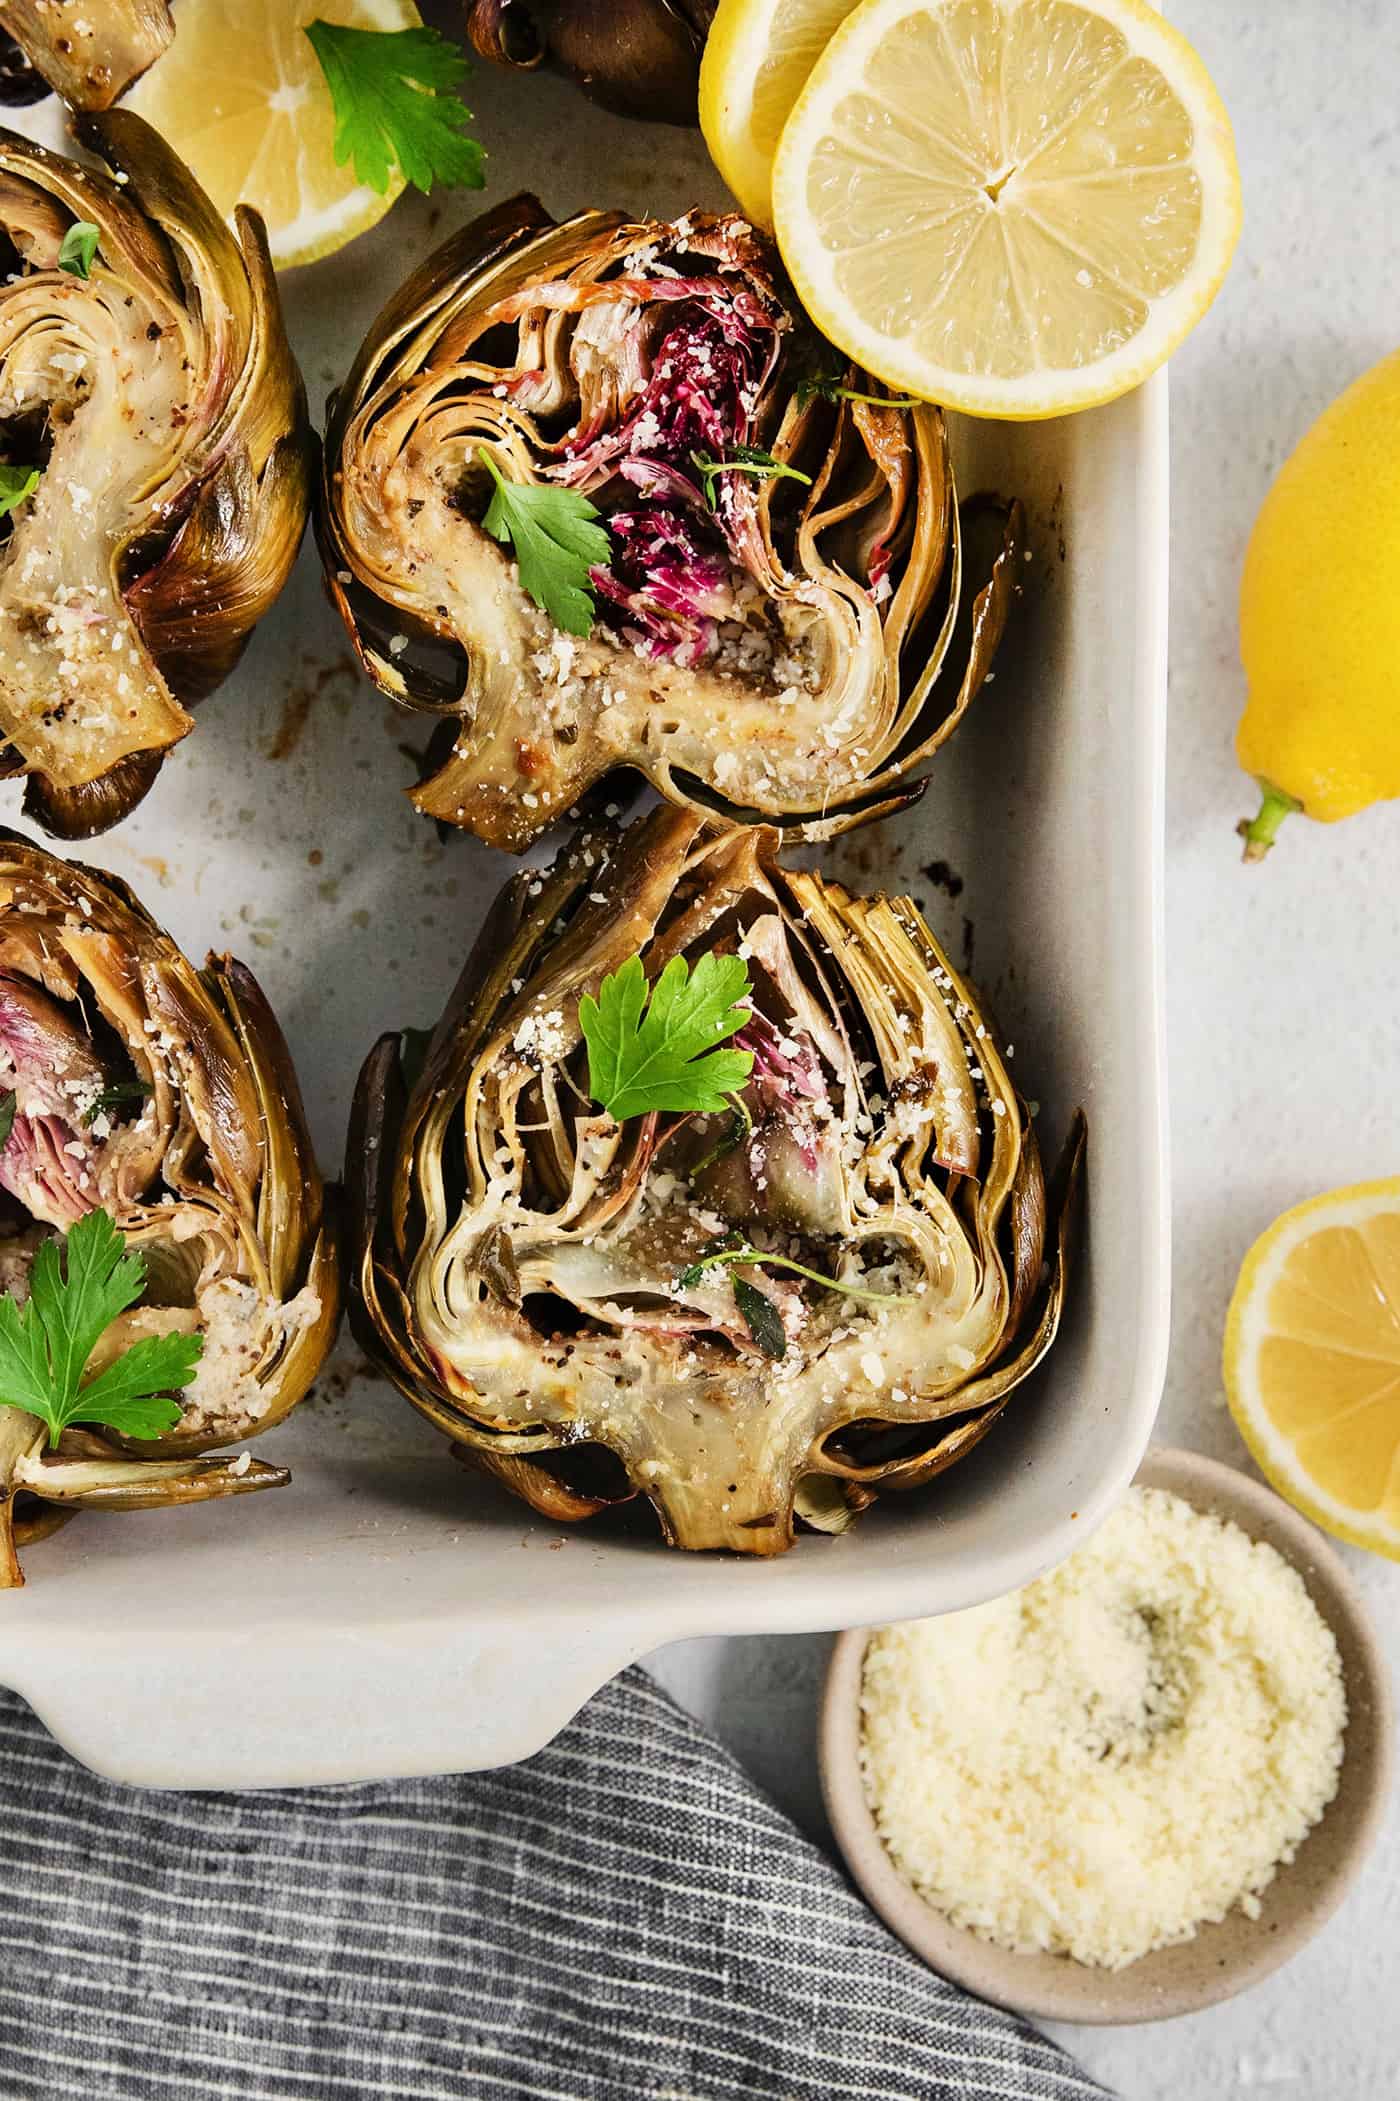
column 657, row 1048
column 394, row 92
column 557, row 544
column 761, row 1317
column 723, row 1254
column 17, row 485
column 78, row 247
column 74, row 1297
column 829, row 387
column 743, row 459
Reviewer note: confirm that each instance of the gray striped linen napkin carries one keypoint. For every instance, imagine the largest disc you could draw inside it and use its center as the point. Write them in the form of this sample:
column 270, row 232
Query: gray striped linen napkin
column 623, row 1918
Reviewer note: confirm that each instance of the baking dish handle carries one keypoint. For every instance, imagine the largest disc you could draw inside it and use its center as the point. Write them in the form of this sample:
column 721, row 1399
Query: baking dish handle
column 310, row 1706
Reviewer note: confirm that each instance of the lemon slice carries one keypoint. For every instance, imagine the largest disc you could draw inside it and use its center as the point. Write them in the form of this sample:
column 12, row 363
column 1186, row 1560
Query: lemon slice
column 1312, row 1361
column 757, row 58
column 241, row 97
column 1015, row 207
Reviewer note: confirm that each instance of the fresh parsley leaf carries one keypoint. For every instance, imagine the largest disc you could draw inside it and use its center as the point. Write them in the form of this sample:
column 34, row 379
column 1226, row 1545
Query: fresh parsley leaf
column 743, row 459
column 556, row 542
column 131, row 1395
column 396, row 105
column 723, row 1254
column 830, row 388
column 118, row 1096
column 761, row 1318
column 78, row 247
column 16, row 485
column 656, row 1049
column 73, row 1299
column 7, row 1117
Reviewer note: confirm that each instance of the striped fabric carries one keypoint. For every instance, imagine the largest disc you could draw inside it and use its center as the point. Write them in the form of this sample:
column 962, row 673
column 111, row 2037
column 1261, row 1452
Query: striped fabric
column 624, row 1918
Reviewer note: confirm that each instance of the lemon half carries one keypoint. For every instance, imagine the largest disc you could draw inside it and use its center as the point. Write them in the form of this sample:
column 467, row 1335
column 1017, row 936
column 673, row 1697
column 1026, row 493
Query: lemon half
column 757, row 58
column 1015, row 207
column 241, row 97
column 1312, row 1361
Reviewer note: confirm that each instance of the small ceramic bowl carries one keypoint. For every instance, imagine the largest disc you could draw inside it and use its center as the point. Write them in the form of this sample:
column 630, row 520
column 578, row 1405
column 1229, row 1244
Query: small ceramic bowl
column 1222, row 1959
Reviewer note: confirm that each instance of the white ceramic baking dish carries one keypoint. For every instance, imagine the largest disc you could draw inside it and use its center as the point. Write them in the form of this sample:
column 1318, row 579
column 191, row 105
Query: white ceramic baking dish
column 389, row 1614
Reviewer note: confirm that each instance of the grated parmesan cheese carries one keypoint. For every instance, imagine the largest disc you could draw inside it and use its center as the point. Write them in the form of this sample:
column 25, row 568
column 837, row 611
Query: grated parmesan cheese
column 1123, row 1751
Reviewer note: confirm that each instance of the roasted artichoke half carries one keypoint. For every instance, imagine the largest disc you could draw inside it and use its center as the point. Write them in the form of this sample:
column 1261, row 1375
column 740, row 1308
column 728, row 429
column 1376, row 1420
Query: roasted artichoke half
column 159, row 404
column 89, row 51
column 830, row 1289
column 165, row 1096
column 794, row 612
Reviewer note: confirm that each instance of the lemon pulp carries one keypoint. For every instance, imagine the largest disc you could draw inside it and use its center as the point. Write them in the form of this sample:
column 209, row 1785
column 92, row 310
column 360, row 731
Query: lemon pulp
column 241, row 97
column 1312, row 1360
column 1017, row 207
column 757, row 58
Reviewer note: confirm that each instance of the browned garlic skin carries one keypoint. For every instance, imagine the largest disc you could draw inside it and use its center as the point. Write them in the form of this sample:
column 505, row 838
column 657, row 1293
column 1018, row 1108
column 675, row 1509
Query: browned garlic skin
column 794, row 651
column 638, row 58
column 162, row 401
column 166, row 1096
column 522, row 1266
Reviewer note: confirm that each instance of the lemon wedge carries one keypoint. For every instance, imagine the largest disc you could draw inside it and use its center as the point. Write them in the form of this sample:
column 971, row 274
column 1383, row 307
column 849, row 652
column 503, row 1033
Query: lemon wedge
column 241, row 97
column 1312, row 1361
column 757, row 58
column 1014, row 207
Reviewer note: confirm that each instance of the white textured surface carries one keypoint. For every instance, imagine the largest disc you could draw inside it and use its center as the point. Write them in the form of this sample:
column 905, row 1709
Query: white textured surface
column 1282, row 996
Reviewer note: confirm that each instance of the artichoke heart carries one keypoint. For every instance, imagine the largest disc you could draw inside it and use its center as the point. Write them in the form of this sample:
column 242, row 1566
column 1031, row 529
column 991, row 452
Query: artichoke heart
column 795, row 611
column 541, row 1280
column 159, row 405
column 164, row 1095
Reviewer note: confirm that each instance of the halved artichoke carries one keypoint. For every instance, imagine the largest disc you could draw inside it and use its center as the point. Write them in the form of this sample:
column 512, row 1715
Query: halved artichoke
column 541, row 1281
column 89, row 51
column 166, row 1096
column 161, row 401
column 794, row 649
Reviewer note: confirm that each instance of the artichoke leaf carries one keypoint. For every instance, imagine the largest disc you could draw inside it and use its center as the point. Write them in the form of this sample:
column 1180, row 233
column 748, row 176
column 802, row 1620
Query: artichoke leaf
column 542, row 1490
column 21, row 1436
column 968, row 644
column 89, row 51
column 94, row 806
column 289, row 1195
column 828, row 1505
column 985, row 1398
column 145, row 1484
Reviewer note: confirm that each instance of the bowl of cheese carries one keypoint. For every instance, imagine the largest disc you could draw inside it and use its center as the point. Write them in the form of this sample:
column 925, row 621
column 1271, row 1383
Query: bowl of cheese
column 1134, row 1787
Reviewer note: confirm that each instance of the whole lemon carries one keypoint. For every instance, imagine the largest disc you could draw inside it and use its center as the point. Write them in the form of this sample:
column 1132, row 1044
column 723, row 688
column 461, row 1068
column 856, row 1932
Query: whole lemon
column 1320, row 618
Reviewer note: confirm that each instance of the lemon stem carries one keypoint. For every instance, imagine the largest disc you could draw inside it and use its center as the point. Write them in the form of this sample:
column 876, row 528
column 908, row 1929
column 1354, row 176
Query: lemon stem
column 1260, row 834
